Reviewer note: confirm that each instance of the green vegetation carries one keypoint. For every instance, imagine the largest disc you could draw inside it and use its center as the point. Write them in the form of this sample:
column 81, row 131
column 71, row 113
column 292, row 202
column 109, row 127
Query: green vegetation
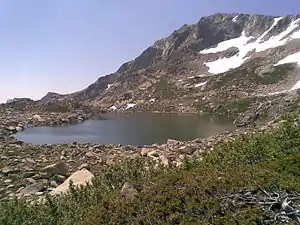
column 278, row 74
column 189, row 195
column 233, row 107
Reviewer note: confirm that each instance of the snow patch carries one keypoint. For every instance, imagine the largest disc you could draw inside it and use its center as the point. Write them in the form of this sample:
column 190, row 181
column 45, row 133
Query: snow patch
column 109, row 86
column 200, row 84
column 113, row 108
column 238, row 42
column 293, row 58
column 130, row 105
column 296, row 86
column 225, row 64
column 276, row 20
column 235, row 19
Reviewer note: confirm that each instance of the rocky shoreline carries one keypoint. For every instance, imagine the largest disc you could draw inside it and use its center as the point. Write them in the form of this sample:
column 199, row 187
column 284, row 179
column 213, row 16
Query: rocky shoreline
column 31, row 171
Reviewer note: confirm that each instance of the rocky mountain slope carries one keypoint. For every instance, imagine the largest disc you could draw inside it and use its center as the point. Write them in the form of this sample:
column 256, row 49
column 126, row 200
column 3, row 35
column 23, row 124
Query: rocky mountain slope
column 225, row 63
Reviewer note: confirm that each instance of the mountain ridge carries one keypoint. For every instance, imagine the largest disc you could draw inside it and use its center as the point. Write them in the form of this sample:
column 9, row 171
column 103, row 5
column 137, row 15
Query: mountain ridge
column 216, row 44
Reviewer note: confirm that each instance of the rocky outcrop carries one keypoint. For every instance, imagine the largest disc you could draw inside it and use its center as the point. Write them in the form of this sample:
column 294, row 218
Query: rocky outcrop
column 79, row 178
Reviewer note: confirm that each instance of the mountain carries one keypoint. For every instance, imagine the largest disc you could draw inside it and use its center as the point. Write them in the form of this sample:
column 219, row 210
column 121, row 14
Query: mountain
column 221, row 61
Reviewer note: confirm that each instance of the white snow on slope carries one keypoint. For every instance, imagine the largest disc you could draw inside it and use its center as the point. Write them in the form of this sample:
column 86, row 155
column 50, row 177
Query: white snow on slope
column 109, row 86
column 235, row 19
column 223, row 46
column 113, row 108
column 293, row 58
column 200, row 84
column 130, row 105
column 276, row 20
column 296, row 86
column 224, row 64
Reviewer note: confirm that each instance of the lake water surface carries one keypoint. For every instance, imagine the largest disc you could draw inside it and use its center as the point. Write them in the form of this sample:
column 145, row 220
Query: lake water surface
column 133, row 129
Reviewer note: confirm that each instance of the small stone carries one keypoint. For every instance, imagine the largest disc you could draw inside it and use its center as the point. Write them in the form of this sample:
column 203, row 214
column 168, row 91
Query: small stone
column 109, row 161
column 164, row 160
column 84, row 166
column 21, row 188
column 43, row 175
column 129, row 148
column 59, row 178
column 182, row 157
column 39, row 193
column 53, row 183
column 90, row 154
column 10, row 186
column 28, row 174
column 144, row 152
column 19, row 129
column 153, row 154
column 186, row 150
column 7, row 170
column 30, row 180
column 7, row 181
column 63, row 153
column 37, row 117
column 30, row 160
column 11, row 129
column 178, row 164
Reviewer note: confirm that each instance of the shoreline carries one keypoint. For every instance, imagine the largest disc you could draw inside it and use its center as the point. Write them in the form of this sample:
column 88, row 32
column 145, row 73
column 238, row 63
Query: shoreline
column 22, row 163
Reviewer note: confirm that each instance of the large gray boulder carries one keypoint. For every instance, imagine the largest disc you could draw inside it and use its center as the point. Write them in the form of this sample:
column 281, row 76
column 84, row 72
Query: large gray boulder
column 81, row 177
column 32, row 189
column 59, row 168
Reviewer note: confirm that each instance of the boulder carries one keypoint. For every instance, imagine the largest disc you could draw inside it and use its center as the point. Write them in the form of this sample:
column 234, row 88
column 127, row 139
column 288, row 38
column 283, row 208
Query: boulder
column 7, row 170
column 19, row 129
column 144, row 152
column 164, row 160
column 84, row 166
column 37, row 117
column 129, row 192
column 32, row 189
column 187, row 150
column 153, row 154
column 59, row 168
column 11, row 129
column 81, row 177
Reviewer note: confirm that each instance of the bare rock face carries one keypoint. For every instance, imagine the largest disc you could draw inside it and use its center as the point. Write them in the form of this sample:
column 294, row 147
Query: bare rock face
column 32, row 189
column 81, row 177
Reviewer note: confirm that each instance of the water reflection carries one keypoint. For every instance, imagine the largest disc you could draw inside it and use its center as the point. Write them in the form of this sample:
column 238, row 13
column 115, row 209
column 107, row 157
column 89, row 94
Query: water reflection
column 136, row 129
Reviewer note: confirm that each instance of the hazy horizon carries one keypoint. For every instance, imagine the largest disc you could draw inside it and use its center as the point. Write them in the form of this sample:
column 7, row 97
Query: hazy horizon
column 65, row 45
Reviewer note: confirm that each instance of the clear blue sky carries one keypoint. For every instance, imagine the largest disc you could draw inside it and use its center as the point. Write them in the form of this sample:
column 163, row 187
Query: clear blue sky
column 65, row 45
